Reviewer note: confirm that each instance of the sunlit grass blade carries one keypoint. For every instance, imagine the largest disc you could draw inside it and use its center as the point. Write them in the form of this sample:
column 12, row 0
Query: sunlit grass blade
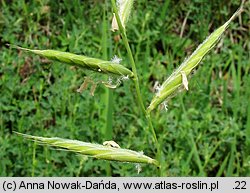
column 222, row 166
column 84, row 62
column 175, row 81
column 94, row 150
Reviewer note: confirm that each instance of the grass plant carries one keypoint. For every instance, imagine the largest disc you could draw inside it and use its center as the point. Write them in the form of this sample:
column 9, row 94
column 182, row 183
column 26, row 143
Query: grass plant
column 175, row 146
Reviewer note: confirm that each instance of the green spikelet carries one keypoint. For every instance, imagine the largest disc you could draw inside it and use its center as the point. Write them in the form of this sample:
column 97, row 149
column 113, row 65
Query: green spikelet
column 124, row 9
column 94, row 150
column 84, row 62
column 175, row 81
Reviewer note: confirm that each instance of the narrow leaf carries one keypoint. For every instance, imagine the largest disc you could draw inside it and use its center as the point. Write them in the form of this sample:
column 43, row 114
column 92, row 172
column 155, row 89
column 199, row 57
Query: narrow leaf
column 94, row 150
column 84, row 62
column 175, row 81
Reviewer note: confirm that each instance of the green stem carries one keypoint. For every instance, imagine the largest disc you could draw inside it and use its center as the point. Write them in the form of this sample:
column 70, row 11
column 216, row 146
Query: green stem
column 135, row 79
column 108, row 133
column 109, row 92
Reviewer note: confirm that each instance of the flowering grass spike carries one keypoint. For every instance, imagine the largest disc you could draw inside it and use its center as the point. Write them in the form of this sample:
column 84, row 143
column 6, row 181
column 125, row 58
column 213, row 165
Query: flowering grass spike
column 124, row 10
column 94, row 64
column 179, row 77
column 94, row 150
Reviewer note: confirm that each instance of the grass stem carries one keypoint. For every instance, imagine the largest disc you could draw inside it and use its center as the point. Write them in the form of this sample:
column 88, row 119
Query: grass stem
column 135, row 78
column 108, row 133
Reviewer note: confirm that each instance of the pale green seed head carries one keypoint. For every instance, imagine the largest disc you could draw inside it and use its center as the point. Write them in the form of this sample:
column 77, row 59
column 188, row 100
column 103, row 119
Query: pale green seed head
column 124, row 10
column 94, row 150
column 179, row 77
column 94, row 64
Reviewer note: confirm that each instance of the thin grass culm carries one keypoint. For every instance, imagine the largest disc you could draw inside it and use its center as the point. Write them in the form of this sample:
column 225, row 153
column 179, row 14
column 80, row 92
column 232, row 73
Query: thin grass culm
column 121, row 28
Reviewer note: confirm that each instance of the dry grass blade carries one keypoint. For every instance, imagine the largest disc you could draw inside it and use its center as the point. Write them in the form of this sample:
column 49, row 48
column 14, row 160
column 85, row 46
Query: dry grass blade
column 94, row 150
column 175, row 81
column 84, row 62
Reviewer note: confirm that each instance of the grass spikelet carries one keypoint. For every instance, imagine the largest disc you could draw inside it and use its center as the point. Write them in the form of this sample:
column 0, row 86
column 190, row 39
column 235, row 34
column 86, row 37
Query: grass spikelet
column 94, row 150
column 176, row 79
column 124, row 9
column 84, row 62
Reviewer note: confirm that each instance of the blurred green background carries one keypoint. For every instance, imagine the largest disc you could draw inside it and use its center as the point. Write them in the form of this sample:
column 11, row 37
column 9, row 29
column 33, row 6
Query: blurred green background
column 205, row 132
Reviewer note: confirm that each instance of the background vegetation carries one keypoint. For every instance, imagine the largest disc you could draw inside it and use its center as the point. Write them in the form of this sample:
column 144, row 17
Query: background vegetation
column 205, row 132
